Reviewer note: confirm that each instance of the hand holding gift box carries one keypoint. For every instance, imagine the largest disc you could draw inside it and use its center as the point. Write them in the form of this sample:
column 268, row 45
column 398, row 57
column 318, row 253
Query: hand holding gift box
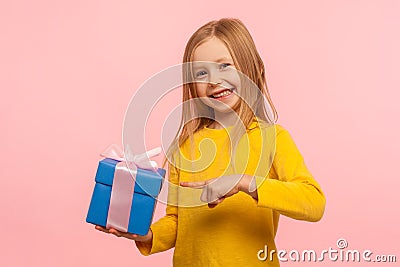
column 124, row 198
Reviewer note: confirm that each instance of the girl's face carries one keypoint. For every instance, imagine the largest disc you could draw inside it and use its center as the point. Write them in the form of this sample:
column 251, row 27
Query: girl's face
column 215, row 76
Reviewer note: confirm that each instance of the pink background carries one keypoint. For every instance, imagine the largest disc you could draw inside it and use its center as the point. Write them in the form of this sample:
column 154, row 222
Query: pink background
column 68, row 70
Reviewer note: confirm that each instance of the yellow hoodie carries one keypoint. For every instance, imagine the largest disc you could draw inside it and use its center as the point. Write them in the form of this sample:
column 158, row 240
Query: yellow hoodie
column 233, row 233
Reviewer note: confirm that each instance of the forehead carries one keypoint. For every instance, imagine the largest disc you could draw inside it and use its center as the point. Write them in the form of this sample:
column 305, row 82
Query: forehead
column 211, row 50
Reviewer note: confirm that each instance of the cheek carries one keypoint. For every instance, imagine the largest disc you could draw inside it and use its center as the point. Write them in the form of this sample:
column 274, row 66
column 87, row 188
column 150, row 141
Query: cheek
column 201, row 89
column 233, row 77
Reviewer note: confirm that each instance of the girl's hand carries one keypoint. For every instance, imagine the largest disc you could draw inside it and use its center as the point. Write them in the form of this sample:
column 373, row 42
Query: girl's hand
column 140, row 238
column 217, row 189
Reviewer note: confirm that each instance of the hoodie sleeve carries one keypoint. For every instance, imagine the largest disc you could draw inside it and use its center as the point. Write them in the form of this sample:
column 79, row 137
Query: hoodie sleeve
column 289, row 187
column 165, row 229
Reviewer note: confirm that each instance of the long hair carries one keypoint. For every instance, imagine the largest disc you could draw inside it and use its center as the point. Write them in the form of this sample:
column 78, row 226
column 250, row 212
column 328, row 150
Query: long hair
column 234, row 34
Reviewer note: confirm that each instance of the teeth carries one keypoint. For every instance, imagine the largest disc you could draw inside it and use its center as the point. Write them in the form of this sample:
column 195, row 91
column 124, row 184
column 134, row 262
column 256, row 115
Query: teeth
column 224, row 93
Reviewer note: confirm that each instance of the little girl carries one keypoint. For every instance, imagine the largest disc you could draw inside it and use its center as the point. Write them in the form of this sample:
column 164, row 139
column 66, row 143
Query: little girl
column 244, row 186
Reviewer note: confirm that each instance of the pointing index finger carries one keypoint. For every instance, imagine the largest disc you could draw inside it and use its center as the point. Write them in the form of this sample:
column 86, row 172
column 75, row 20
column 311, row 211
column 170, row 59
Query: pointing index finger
column 199, row 184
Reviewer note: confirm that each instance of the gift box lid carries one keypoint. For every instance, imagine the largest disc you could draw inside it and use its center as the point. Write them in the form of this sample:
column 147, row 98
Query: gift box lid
column 147, row 182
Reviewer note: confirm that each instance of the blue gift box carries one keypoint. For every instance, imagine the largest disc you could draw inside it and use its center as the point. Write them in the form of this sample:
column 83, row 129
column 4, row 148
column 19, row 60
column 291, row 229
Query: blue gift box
column 147, row 187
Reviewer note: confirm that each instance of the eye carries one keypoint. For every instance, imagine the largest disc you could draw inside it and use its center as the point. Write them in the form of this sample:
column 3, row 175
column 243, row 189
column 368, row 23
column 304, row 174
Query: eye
column 224, row 65
column 200, row 74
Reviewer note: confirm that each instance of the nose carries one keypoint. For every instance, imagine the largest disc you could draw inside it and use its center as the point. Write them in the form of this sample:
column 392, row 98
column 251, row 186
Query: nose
column 214, row 84
column 214, row 79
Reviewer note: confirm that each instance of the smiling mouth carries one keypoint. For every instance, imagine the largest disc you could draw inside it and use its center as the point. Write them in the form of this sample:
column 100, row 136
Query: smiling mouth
column 223, row 93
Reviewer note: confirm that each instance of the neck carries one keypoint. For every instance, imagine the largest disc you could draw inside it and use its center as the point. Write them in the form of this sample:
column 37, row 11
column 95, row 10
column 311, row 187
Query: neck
column 224, row 119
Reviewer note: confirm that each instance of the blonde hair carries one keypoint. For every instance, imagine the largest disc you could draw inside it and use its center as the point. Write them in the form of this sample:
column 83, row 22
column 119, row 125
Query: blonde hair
column 234, row 34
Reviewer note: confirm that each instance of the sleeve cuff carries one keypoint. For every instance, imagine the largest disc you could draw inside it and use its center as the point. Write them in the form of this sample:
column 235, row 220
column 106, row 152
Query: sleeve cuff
column 145, row 247
column 264, row 192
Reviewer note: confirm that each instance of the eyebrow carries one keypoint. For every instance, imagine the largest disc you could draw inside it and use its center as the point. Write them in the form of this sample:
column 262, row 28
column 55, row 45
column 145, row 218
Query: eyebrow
column 223, row 59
